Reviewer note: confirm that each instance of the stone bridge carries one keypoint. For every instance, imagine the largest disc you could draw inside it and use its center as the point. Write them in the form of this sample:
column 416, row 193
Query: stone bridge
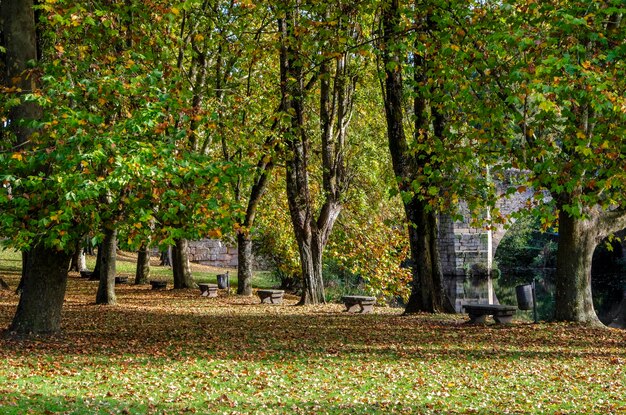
column 465, row 249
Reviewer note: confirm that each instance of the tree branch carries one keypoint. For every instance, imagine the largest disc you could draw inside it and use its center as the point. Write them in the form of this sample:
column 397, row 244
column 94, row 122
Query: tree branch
column 612, row 221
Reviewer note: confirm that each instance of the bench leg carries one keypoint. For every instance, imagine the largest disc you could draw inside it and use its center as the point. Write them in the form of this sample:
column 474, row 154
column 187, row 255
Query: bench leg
column 503, row 319
column 354, row 308
column 478, row 318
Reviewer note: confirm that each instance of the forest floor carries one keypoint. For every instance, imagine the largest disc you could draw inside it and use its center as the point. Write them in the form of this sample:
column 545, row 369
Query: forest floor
column 173, row 352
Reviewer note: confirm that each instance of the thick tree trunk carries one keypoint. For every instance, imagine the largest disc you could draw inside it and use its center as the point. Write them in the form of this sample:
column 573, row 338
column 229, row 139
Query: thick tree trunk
column 578, row 239
column 427, row 293
column 106, row 287
column 142, row 273
column 180, row 265
column 312, row 279
column 20, row 41
column 39, row 308
column 244, row 264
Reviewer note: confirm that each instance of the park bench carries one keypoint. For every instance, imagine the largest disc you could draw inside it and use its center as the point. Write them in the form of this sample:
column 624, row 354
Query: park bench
column 358, row 303
column 86, row 273
column 158, row 285
column 271, row 296
column 121, row 280
column 90, row 275
column 208, row 290
column 502, row 314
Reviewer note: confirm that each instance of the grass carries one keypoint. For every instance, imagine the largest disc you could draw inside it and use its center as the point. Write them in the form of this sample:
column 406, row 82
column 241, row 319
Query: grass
column 173, row 351
column 11, row 263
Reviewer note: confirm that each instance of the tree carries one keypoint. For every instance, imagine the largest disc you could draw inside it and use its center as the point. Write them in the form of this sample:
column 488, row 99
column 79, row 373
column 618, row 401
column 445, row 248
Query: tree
column 412, row 161
column 559, row 81
column 328, row 56
column 46, row 267
column 142, row 272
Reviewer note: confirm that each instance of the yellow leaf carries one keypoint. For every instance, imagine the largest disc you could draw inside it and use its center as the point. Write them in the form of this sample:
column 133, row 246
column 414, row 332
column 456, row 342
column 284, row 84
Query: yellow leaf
column 17, row 156
column 175, row 11
column 216, row 233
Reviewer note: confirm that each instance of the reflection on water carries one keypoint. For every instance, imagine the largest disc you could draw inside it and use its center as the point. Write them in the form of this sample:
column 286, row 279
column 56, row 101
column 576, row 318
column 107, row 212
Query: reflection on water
column 608, row 290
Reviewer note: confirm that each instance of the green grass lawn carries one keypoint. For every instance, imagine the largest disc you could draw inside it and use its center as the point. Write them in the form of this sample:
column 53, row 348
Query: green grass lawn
column 173, row 351
column 10, row 263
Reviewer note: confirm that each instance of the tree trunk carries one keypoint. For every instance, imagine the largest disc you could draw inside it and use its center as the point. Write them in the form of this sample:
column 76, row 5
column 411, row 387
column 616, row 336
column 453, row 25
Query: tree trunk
column 180, row 265
column 78, row 258
column 39, row 308
column 20, row 41
column 166, row 257
column 82, row 261
column 244, row 240
column 142, row 273
column 312, row 279
column 97, row 267
column 106, row 287
column 20, row 285
column 427, row 293
column 578, row 239
column 244, row 264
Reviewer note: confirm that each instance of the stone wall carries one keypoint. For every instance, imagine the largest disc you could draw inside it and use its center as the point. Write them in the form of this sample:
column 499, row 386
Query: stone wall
column 213, row 252
column 460, row 245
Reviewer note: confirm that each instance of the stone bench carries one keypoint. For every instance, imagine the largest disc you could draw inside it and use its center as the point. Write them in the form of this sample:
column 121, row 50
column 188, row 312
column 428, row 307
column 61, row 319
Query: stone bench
column 158, row 285
column 86, row 273
column 502, row 314
column 271, row 296
column 358, row 303
column 208, row 290
column 121, row 280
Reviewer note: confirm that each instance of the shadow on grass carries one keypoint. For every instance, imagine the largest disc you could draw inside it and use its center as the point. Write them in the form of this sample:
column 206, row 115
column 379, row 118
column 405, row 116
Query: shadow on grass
column 14, row 404
column 257, row 332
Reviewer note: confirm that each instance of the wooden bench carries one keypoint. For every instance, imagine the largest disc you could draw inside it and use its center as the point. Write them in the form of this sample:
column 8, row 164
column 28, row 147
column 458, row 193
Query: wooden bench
column 208, row 290
column 358, row 303
column 502, row 314
column 158, row 285
column 271, row 296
